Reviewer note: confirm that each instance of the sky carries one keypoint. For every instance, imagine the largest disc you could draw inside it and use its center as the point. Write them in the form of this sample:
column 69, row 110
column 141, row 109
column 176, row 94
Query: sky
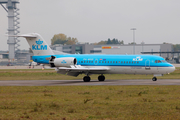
column 156, row 21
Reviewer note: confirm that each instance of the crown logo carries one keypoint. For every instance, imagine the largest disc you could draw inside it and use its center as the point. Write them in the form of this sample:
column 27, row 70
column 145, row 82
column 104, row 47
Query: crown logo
column 39, row 42
column 63, row 61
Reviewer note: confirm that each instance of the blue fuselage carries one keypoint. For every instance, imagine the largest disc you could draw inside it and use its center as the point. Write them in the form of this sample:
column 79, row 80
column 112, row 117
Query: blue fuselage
column 110, row 60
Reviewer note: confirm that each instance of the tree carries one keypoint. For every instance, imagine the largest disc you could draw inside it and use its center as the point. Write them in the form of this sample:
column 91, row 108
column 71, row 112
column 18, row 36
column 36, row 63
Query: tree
column 109, row 41
column 71, row 41
column 176, row 47
column 115, row 41
column 121, row 42
column 63, row 39
column 102, row 42
column 132, row 43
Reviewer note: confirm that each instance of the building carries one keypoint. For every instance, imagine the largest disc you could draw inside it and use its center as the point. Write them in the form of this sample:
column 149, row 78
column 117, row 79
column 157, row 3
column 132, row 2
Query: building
column 114, row 49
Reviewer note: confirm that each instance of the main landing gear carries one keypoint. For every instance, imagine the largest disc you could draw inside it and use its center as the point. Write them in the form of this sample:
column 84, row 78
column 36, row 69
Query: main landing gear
column 101, row 78
column 154, row 79
column 87, row 78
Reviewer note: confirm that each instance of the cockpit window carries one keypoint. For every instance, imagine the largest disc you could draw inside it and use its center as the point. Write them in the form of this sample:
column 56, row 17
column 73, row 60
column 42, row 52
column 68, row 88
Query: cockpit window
column 163, row 61
column 157, row 61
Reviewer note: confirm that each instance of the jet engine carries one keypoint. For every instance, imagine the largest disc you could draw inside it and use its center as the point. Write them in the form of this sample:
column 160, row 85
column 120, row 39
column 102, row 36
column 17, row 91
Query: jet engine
column 62, row 62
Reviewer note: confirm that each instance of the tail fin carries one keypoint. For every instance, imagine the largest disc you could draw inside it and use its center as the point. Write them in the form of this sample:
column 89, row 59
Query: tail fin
column 37, row 44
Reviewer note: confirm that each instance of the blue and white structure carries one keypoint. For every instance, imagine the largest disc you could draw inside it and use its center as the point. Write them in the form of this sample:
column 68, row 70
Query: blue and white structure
column 88, row 64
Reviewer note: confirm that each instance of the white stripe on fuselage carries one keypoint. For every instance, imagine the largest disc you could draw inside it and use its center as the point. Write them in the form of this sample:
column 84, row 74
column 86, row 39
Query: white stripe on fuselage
column 133, row 70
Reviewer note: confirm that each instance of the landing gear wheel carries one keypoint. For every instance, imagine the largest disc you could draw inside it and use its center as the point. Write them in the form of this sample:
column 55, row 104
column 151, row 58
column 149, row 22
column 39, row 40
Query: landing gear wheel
column 154, row 79
column 101, row 78
column 86, row 78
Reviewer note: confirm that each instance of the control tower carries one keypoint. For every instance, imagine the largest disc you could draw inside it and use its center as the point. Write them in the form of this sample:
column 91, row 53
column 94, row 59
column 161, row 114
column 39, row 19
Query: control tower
column 13, row 28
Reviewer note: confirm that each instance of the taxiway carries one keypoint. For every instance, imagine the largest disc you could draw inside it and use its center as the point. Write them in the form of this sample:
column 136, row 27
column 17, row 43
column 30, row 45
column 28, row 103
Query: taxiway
column 92, row 82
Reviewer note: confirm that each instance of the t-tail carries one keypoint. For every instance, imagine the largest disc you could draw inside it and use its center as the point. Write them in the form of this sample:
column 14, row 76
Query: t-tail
column 37, row 44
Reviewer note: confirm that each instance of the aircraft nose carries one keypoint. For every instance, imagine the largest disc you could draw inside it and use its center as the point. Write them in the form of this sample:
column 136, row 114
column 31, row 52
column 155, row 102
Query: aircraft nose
column 171, row 69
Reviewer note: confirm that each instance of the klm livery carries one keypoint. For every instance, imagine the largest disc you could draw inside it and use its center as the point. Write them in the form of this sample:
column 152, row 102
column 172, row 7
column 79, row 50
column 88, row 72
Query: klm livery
column 75, row 64
column 38, row 46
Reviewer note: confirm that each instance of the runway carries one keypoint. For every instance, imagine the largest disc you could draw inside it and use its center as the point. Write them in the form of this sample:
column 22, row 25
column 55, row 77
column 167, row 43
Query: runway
column 92, row 82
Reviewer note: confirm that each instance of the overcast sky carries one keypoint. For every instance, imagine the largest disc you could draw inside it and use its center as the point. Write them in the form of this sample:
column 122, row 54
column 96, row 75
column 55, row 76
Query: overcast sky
column 156, row 21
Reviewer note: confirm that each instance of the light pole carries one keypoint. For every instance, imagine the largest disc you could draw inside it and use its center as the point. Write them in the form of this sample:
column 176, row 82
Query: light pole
column 133, row 39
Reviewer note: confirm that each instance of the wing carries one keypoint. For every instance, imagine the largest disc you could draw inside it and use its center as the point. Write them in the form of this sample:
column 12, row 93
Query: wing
column 78, row 69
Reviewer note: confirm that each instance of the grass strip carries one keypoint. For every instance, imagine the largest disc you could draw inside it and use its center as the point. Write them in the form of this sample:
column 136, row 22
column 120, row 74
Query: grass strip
column 90, row 102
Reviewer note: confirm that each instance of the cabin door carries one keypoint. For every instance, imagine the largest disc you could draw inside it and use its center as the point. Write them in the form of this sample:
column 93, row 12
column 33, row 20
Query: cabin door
column 96, row 61
column 147, row 65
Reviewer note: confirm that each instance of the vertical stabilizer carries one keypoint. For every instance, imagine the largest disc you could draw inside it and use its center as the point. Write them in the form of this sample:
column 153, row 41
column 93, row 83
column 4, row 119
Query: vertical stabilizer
column 37, row 44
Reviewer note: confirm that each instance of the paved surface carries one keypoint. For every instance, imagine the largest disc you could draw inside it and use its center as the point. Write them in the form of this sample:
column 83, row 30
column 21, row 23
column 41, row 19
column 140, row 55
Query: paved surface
column 20, row 67
column 80, row 82
column 93, row 82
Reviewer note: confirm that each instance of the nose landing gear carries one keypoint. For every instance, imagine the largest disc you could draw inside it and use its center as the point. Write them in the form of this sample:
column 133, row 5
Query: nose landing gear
column 154, row 79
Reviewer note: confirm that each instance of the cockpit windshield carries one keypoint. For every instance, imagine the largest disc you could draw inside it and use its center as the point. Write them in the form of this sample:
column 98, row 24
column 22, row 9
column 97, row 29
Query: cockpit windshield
column 163, row 61
column 160, row 61
column 157, row 61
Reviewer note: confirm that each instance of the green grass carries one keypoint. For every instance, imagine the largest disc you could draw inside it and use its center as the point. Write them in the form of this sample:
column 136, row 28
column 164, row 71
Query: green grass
column 90, row 102
column 38, row 74
column 87, row 102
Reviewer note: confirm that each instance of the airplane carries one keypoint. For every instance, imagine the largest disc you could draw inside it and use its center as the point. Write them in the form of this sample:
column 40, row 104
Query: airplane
column 88, row 64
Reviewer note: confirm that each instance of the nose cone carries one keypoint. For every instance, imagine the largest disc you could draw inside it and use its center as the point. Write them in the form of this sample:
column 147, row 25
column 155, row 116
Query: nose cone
column 171, row 69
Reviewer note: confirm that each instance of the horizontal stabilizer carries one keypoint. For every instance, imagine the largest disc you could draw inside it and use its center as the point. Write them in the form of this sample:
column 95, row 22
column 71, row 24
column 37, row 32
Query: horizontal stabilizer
column 24, row 35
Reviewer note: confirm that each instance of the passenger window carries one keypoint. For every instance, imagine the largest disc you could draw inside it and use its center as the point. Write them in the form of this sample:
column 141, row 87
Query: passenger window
column 111, row 61
column 134, row 62
column 102, row 61
column 95, row 61
column 108, row 61
column 99, row 61
column 84, row 61
column 137, row 62
column 121, row 61
column 105, row 61
column 81, row 61
column 129, row 62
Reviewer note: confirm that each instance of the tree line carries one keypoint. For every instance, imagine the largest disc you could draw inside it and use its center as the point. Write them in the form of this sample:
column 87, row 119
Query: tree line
column 63, row 39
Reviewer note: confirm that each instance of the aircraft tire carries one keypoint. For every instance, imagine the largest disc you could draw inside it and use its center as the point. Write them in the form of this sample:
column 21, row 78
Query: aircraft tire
column 101, row 78
column 154, row 79
column 86, row 79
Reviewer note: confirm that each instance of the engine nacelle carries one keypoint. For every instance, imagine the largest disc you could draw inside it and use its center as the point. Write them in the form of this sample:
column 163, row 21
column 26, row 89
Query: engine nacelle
column 65, row 62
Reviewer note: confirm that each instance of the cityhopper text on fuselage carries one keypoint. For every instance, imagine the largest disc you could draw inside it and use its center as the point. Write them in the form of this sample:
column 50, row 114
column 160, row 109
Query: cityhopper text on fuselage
column 88, row 64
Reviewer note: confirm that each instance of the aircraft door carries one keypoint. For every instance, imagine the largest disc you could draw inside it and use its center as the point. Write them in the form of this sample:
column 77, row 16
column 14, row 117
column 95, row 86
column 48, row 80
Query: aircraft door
column 96, row 61
column 147, row 65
